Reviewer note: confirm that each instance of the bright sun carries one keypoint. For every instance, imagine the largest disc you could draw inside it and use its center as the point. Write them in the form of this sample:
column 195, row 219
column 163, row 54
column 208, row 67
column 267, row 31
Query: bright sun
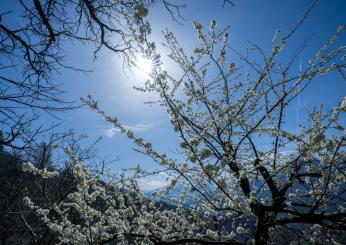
column 145, row 65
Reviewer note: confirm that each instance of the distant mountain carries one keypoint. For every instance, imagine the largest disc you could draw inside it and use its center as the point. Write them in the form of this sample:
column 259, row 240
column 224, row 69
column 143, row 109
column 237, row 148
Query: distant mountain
column 175, row 193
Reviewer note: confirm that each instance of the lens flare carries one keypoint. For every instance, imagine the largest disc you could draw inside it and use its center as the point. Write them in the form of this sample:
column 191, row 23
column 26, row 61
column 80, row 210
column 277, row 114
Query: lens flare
column 145, row 65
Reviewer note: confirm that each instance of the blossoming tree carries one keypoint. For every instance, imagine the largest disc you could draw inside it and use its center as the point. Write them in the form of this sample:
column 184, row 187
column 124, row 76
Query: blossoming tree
column 118, row 212
column 244, row 190
column 222, row 120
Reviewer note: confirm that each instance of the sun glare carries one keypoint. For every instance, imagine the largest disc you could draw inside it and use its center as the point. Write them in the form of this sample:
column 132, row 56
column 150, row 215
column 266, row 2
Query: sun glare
column 145, row 65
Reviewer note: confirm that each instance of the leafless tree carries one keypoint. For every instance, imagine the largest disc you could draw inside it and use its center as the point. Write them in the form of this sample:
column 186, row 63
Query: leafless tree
column 32, row 51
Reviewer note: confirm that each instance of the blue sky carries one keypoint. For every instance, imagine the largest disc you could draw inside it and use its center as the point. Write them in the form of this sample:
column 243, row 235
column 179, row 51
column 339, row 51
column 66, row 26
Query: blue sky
column 112, row 87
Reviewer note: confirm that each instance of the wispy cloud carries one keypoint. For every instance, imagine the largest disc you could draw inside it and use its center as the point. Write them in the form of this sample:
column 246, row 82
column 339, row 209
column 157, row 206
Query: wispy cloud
column 137, row 128
column 154, row 182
